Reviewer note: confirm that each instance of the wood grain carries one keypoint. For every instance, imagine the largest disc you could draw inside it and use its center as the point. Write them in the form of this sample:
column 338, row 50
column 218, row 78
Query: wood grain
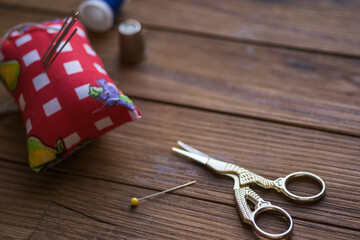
column 25, row 196
column 63, row 223
column 296, row 24
column 310, row 90
column 58, row 7
column 110, row 216
column 326, row 26
column 303, row 89
column 272, row 86
column 140, row 154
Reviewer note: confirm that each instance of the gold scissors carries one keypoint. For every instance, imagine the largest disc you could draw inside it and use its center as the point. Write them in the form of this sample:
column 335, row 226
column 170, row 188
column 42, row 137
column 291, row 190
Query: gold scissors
column 242, row 179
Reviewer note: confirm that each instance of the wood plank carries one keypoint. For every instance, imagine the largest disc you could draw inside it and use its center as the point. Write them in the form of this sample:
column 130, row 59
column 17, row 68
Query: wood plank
column 25, row 196
column 304, row 89
column 141, row 161
column 59, row 7
column 63, row 223
column 109, row 216
column 328, row 26
column 140, row 154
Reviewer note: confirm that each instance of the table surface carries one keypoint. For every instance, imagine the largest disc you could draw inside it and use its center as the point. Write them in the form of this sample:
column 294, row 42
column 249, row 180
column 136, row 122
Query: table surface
column 272, row 86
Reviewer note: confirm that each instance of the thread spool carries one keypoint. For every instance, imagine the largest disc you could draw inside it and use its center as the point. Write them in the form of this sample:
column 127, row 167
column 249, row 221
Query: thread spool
column 99, row 15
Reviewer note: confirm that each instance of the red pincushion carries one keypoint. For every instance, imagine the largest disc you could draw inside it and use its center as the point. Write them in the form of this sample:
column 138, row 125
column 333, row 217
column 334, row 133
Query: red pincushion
column 73, row 102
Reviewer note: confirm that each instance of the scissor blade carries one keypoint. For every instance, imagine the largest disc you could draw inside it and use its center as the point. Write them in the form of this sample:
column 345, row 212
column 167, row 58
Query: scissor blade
column 191, row 149
column 216, row 165
column 196, row 157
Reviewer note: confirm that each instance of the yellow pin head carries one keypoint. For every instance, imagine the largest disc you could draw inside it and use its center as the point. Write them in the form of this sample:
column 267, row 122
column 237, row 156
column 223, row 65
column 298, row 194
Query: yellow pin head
column 134, row 201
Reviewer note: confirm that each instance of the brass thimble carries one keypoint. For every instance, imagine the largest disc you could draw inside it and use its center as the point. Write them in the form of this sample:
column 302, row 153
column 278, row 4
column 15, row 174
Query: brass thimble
column 132, row 46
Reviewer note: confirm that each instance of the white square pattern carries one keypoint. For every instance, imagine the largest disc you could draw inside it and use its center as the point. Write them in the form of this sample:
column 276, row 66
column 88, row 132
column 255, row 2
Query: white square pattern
column 31, row 57
column 99, row 68
column 103, row 123
column 54, row 28
column 134, row 115
column 71, row 140
column 40, row 81
column 82, row 91
column 22, row 102
column 89, row 50
column 73, row 67
column 28, row 126
column 22, row 40
column 15, row 33
column 51, row 107
column 81, row 33
column 67, row 47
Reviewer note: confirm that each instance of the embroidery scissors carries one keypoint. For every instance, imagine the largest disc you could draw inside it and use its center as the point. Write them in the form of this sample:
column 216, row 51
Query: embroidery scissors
column 242, row 179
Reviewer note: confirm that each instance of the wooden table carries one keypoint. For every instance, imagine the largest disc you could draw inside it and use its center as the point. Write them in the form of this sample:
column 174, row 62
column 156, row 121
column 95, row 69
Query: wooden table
column 273, row 86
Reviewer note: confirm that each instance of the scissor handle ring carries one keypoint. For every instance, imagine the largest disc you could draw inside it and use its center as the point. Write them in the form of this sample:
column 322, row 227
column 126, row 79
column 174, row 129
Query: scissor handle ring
column 277, row 209
column 301, row 198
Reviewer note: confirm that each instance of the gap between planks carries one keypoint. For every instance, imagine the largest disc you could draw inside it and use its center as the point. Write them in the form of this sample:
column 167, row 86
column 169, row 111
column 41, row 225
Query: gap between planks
column 62, row 171
column 248, row 116
column 89, row 176
column 209, row 110
column 205, row 108
column 246, row 41
column 52, row 12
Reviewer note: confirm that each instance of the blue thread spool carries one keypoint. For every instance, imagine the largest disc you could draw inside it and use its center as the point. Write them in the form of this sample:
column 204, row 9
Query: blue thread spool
column 99, row 15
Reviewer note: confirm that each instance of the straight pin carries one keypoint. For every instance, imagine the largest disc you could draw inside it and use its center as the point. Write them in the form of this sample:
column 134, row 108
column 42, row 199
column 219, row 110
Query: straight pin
column 135, row 201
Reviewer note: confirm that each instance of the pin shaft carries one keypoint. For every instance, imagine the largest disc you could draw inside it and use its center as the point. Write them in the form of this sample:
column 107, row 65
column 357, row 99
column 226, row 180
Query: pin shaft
column 135, row 201
column 168, row 190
